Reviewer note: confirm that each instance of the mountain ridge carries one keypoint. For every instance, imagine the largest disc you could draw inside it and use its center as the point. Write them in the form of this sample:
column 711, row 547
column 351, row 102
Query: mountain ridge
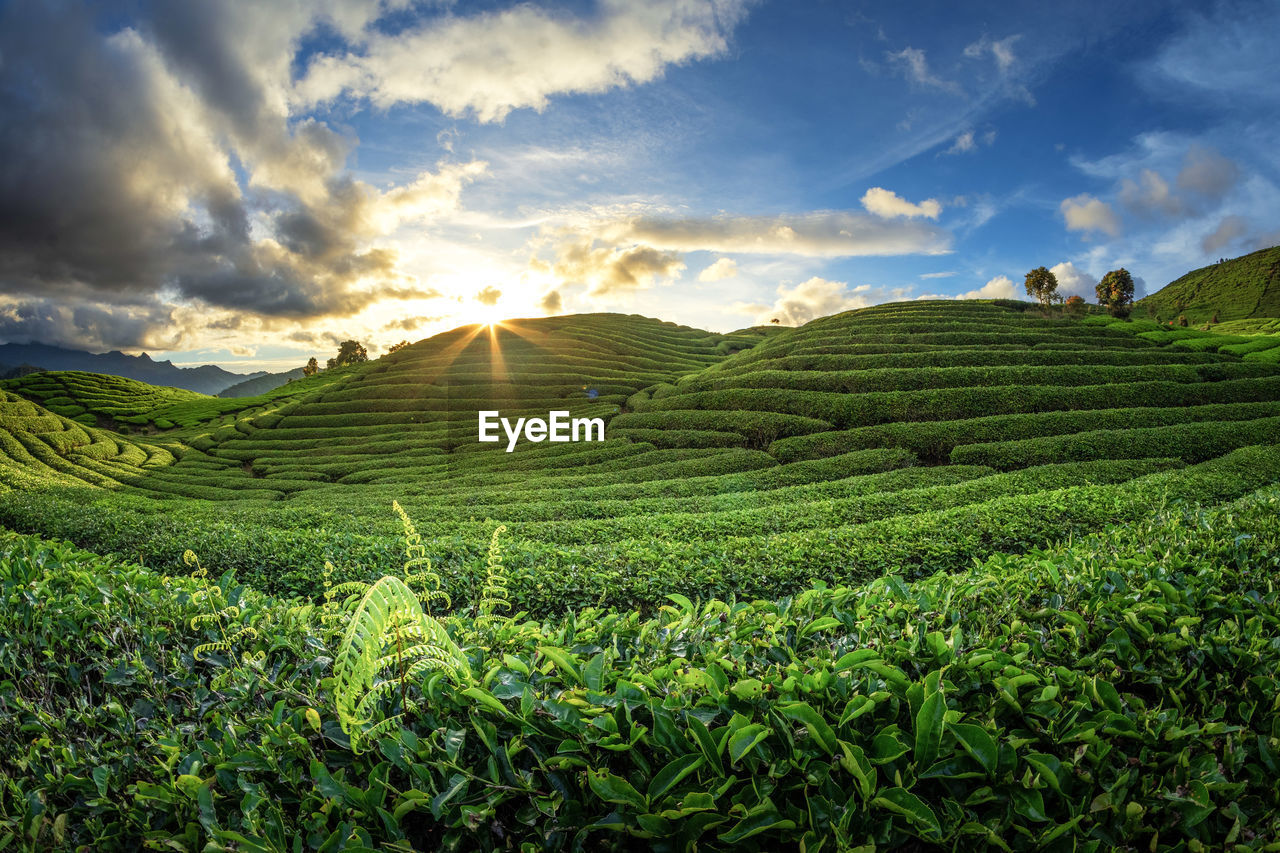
column 206, row 379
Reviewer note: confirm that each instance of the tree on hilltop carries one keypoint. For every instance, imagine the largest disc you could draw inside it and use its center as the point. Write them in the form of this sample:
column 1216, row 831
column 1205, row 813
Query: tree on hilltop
column 312, row 367
column 397, row 347
column 1043, row 285
column 1075, row 305
column 1115, row 292
column 349, row 352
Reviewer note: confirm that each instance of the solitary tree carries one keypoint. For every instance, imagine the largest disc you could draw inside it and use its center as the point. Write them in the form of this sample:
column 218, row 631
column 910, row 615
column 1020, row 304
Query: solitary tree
column 312, row 367
column 1043, row 285
column 1075, row 305
column 349, row 352
column 1115, row 292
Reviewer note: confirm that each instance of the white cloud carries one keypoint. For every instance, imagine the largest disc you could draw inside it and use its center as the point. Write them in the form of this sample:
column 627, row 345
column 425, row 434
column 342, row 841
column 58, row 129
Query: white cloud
column 817, row 297
column 723, row 268
column 1074, row 282
column 1001, row 51
column 970, row 141
column 964, row 143
column 488, row 64
column 823, row 233
column 432, row 194
column 914, row 65
column 947, row 274
column 888, row 204
column 1150, row 195
column 1087, row 213
column 1000, row 287
column 1226, row 54
column 611, row 270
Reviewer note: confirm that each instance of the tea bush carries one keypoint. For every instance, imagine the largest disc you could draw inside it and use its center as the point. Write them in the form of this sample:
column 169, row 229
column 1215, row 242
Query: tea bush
column 1114, row 692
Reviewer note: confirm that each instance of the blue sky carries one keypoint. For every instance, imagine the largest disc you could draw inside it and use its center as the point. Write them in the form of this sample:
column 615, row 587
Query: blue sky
column 248, row 183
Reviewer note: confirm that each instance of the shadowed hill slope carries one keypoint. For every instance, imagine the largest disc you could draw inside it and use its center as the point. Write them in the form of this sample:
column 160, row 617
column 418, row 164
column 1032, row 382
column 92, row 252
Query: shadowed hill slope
column 1237, row 289
column 261, row 385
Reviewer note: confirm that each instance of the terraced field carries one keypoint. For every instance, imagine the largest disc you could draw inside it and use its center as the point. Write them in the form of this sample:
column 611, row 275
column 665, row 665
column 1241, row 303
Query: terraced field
column 1247, row 287
column 916, row 436
column 924, row 575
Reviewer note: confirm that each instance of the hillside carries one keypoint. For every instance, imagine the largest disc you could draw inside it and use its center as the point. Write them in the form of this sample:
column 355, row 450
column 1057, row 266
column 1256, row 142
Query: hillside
column 261, row 384
column 98, row 399
column 1236, row 289
column 206, row 379
column 816, row 584
column 918, row 436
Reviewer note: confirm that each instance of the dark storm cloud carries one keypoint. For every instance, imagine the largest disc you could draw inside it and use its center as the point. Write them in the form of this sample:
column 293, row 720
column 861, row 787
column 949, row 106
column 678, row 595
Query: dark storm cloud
column 118, row 181
column 88, row 326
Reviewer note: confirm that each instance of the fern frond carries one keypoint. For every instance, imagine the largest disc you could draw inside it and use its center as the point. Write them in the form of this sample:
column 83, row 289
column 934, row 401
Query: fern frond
column 362, row 655
column 387, row 725
column 417, row 570
column 413, row 549
column 493, row 595
column 210, row 648
column 345, row 589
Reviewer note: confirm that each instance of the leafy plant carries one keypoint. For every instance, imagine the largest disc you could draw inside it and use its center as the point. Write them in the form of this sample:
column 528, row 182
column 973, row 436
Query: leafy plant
column 388, row 643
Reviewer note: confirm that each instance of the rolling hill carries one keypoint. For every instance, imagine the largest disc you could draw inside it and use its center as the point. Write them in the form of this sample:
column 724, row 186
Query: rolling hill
column 261, row 384
column 1236, row 289
column 917, row 435
column 936, row 575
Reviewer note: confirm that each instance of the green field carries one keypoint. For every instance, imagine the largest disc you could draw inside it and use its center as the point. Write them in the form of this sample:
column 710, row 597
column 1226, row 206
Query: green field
column 1241, row 288
column 924, row 574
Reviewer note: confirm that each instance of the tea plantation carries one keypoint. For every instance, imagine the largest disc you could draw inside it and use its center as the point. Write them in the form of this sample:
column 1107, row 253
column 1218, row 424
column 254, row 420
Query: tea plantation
column 947, row 574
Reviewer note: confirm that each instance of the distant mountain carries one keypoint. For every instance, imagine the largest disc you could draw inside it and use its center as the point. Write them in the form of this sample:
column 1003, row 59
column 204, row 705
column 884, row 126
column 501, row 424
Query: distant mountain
column 261, row 385
column 207, row 379
column 1236, row 289
column 8, row 371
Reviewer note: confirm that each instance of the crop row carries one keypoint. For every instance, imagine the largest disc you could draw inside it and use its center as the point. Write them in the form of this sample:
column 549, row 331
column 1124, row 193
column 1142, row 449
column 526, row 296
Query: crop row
column 934, row 440
column 1192, row 442
column 912, row 379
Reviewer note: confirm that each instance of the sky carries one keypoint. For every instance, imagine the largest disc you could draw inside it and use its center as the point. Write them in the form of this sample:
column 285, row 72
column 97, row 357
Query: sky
column 248, row 183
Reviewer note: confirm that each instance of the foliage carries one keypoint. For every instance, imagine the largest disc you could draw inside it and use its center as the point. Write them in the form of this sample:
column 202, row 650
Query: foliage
column 1075, row 305
column 388, row 631
column 653, row 650
column 1043, row 286
column 349, row 352
column 397, row 347
column 311, row 368
column 1114, row 692
column 1240, row 288
column 1115, row 292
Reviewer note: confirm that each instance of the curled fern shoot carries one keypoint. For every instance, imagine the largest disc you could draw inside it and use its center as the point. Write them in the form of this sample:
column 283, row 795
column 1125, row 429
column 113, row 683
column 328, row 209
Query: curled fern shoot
column 493, row 595
column 418, row 571
column 387, row 616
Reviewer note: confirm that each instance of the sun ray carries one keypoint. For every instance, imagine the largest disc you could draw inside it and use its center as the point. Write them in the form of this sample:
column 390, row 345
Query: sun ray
column 497, row 364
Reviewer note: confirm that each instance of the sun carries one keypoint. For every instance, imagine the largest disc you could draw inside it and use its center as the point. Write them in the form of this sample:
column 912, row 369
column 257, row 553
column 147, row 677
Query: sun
column 485, row 315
